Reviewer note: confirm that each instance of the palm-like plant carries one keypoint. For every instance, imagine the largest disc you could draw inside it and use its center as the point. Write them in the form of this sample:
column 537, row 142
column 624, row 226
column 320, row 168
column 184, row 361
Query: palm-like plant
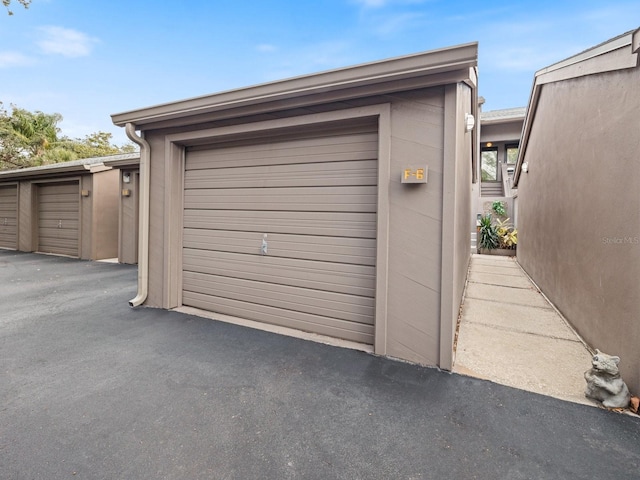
column 489, row 238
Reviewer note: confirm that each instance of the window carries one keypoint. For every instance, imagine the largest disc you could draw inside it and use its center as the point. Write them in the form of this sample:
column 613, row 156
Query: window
column 489, row 164
column 512, row 154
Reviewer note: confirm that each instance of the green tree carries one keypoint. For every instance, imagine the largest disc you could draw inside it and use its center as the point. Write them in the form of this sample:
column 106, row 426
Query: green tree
column 7, row 3
column 95, row 145
column 29, row 139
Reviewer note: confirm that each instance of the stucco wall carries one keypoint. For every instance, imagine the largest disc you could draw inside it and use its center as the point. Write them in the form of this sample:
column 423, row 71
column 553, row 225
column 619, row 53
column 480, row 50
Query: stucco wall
column 579, row 209
column 105, row 214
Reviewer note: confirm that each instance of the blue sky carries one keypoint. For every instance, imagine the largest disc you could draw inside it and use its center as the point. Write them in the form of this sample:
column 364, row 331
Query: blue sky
column 89, row 59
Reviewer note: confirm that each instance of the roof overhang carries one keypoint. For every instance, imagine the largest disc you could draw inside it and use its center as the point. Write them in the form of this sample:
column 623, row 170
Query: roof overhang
column 435, row 67
column 511, row 115
column 619, row 53
column 132, row 162
column 87, row 165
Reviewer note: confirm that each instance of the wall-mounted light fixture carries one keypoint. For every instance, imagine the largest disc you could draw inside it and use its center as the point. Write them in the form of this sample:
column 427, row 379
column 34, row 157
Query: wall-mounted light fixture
column 469, row 122
column 525, row 167
column 126, row 177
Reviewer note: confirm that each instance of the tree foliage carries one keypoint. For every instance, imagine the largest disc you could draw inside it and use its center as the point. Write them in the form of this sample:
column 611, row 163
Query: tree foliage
column 29, row 139
column 7, row 3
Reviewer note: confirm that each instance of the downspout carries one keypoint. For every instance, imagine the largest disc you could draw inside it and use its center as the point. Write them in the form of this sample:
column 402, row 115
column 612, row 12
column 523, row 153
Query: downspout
column 143, row 225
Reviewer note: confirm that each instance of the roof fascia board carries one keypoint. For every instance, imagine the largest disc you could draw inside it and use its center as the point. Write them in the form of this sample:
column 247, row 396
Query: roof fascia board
column 620, row 58
column 55, row 171
column 386, row 71
column 308, row 102
column 615, row 56
column 499, row 121
column 526, row 131
column 123, row 163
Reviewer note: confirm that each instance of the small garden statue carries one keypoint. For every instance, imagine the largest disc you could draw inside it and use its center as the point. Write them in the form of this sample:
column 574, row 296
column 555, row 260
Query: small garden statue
column 604, row 382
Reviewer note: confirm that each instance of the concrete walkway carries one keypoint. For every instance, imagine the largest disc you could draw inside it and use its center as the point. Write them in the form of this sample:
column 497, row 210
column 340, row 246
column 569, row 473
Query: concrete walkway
column 510, row 334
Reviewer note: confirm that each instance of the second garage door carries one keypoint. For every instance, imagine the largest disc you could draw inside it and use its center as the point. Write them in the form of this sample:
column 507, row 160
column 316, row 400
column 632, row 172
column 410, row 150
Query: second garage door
column 8, row 216
column 284, row 231
column 58, row 218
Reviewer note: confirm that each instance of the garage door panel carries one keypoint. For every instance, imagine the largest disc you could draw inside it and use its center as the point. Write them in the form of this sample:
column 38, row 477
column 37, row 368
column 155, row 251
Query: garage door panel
column 63, row 188
column 328, row 249
column 65, row 233
column 349, row 279
column 342, row 199
column 8, row 216
column 59, row 246
column 55, row 207
column 356, row 332
column 341, row 173
column 339, row 224
column 316, row 199
column 346, row 307
column 341, row 148
column 58, row 218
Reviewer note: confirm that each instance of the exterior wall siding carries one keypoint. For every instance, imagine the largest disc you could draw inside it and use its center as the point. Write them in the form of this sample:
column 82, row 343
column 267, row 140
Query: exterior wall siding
column 413, row 310
column 579, row 222
column 415, row 223
column 157, row 263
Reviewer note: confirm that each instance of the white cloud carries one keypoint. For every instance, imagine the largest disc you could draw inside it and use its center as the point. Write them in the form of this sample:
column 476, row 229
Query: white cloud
column 266, row 48
column 14, row 59
column 391, row 24
column 66, row 42
column 372, row 3
column 385, row 3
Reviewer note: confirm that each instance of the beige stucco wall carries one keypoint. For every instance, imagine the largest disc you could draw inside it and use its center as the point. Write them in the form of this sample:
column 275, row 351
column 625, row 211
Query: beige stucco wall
column 128, row 217
column 105, row 215
column 415, row 217
column 579, row 209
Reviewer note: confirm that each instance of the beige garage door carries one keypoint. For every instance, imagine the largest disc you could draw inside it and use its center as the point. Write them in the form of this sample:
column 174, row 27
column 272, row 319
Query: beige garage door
column 8, row 216
column 58, row 218
column 284, row 231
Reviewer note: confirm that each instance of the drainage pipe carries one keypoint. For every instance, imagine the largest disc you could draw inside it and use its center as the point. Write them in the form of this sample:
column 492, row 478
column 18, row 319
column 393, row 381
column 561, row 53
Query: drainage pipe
column 143, row 226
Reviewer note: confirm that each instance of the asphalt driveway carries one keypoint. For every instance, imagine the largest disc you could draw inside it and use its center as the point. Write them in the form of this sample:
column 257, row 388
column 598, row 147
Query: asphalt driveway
column 90, row 388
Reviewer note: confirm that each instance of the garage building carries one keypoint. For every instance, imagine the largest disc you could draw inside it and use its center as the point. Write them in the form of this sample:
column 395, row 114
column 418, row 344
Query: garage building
column 334, row 203
column 66, row 208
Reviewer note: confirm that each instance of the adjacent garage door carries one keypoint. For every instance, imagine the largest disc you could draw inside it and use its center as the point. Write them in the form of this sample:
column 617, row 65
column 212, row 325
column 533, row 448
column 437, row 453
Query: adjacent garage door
column 284, row 231
column 8, row 216
column 58, row 218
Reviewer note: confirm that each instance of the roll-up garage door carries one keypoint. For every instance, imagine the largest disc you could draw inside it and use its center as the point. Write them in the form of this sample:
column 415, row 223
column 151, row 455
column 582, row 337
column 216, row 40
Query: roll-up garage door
column 8, row 216
column 283, row 231
column 58, row 218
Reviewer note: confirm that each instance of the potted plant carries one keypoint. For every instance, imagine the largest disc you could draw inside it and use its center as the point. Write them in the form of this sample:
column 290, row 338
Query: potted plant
column 500, row 239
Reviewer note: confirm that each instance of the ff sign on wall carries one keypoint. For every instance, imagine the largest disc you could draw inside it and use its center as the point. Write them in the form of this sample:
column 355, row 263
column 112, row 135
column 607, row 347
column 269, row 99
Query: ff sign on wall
column 414, row 174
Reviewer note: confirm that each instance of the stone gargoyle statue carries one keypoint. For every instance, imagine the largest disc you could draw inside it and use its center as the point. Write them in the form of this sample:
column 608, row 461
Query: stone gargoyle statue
column 604, row 382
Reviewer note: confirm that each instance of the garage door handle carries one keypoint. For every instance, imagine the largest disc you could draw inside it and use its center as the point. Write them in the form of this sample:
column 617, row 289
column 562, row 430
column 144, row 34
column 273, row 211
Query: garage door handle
column 263, row 250
column 59, row 223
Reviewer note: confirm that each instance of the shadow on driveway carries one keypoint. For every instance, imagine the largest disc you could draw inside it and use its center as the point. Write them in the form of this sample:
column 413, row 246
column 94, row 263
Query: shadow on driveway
column 92, row 389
